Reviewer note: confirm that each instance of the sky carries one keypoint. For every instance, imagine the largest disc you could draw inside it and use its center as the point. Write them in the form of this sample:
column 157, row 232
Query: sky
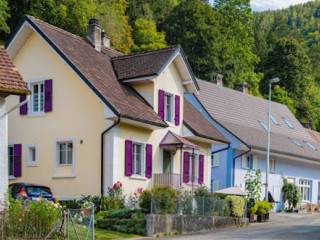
column 261, row 5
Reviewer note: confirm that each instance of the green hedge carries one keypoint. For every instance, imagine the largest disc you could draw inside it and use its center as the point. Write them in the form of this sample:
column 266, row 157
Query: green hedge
column 237, row 205
column 136, row 226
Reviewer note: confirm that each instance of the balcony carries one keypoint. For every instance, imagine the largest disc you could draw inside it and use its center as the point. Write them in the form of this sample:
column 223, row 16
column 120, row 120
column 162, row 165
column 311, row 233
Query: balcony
column 173, row 179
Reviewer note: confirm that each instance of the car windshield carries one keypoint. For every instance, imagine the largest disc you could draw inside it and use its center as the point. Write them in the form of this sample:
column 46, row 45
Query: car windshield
column 38, row 190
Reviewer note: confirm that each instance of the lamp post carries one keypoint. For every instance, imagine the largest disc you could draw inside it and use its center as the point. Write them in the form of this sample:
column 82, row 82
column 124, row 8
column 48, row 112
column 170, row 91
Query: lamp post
column 274, row 80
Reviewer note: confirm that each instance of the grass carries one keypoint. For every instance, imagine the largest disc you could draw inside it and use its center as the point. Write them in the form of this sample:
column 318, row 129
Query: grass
column 99, row 234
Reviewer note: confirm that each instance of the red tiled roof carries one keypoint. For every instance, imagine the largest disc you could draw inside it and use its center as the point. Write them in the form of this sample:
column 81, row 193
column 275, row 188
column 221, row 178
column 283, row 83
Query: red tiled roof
column 177, row 141
column 141, row 64
column 11, row 81
column 315, row 135
column 97, row 68
column 199, row 125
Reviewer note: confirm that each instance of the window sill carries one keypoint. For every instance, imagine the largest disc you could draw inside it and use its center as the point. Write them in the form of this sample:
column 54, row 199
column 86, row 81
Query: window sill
column 31, row 164
column 38, row 114
column 194, row 184
column 64, row 165
column 138, row 177
column 64, row 176
column 12, row 178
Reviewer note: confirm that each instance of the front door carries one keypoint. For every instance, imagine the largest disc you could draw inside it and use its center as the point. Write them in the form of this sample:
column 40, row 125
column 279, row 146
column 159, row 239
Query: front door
column 167, row 161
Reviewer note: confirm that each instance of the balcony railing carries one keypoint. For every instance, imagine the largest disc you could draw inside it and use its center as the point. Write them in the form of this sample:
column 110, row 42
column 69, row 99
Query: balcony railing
column 174, row 179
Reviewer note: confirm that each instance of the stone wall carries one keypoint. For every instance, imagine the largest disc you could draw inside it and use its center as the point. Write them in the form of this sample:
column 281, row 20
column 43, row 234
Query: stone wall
column 180, row 224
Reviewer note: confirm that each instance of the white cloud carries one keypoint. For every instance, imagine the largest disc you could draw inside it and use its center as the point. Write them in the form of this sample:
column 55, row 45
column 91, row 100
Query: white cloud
column 259, row 5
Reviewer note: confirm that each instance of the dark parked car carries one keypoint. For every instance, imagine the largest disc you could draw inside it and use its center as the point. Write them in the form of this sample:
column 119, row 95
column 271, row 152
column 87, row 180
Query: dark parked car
column 33, row 191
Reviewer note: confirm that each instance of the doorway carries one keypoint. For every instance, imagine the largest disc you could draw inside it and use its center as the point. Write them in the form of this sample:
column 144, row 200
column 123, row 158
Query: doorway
column 167, row 161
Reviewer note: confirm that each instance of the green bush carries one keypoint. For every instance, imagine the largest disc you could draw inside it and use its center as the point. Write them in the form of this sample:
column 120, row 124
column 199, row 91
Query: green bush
column 136, row 226
column 114, row 213
column 145, row 201
column 237, row 205
column 252, row 210
column 291, row 194
column 263, row 207
column 186, row 203
column 70, row 204
column 203, row 191
column 102, row 214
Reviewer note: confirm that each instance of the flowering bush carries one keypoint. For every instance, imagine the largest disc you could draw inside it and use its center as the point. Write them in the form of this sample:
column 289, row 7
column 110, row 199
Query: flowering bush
column 31, row 219
column 115, row 198
column 133, row 200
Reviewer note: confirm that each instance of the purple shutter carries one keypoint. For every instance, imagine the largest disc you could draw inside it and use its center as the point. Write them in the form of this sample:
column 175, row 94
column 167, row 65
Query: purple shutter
column 177, row 110
column 24, row 107
column 17, row 160
column 186, row 166
column 161, row 104
column 201, row 168
column 149, row 160
column 48, row 95
column 128, row 152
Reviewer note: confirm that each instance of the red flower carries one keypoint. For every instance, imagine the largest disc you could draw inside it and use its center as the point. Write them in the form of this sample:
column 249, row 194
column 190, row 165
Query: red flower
column 114, row 185
column 111, row 189
column 120, row 184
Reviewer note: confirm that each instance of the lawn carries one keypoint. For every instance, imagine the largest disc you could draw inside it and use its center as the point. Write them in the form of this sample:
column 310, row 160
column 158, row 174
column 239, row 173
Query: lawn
column 99, row 234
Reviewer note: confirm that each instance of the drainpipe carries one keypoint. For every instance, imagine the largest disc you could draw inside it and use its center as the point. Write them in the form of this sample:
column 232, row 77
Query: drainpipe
column 181, row 167
column 102, row 151
column 223, row 149
column 234, row 164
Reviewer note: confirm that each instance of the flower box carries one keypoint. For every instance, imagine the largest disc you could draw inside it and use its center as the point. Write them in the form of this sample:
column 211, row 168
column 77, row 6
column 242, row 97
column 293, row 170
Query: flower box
column 261, row 218
column 252, row 217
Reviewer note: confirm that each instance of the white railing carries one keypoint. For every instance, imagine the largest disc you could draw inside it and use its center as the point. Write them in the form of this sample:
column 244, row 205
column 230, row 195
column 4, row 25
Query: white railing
column 174, row 180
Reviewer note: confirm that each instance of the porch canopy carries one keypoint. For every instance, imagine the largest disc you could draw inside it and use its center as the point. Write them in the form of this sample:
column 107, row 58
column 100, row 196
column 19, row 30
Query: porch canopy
column 232, row 191
column 172, row 140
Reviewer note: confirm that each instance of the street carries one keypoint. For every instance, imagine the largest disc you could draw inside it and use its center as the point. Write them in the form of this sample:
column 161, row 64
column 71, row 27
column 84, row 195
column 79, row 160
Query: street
column 280, row 226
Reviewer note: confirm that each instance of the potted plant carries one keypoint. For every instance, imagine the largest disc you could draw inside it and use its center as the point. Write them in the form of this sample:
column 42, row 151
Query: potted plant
column 267, row 207
column 252, row 213
column 261, row 211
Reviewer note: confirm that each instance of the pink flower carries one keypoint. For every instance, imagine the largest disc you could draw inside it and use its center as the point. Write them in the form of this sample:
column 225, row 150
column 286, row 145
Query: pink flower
column 21, row 216
column 111, row 189
column 20, row 219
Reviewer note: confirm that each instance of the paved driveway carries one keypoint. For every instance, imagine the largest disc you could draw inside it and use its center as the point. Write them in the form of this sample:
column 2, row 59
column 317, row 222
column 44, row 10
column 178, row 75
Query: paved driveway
column 280, row 226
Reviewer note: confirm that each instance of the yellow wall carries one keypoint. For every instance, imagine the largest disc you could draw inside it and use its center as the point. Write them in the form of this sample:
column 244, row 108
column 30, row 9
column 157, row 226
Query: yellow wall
column 76, row 114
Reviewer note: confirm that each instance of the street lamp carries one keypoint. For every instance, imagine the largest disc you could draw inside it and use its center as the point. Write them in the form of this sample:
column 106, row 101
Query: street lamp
column 273, row 80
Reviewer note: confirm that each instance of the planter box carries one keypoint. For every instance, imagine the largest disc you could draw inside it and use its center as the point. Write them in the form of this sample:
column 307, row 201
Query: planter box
column 267, row 217
column 261, row 218
column 253, row 217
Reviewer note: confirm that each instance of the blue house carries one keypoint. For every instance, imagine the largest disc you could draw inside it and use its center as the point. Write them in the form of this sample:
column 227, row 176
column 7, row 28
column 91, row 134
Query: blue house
column 243, row 120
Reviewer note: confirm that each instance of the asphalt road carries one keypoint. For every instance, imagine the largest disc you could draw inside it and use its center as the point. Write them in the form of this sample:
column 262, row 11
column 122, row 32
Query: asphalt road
column 281, row 226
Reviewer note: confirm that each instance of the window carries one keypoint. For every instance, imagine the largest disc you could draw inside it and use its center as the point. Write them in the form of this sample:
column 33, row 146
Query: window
column 215, row 160
column 31, row 155
column 295, row 142
column 168, row 107
column 194, row 168
column 263, row 125
column 288, row 123
column 65, row 153
column 272, row 165
column 305, row 186
column 246, row 161
column 274, row 120
column 310, row 145
column 10, row 161
column 137, row 159
column 37, row 97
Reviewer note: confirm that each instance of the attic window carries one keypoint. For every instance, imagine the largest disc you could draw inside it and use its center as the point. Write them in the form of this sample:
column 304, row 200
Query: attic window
column 263, row 125
column 274, row 120
column 294, row 141
column 310, row 145
column 288, row 123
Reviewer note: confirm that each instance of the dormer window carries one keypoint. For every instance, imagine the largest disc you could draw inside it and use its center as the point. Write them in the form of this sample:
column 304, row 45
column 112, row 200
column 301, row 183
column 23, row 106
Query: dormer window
column 168, row 108
column 288, row 123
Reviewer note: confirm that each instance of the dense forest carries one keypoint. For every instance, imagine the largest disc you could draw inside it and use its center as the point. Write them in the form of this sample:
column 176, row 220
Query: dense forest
column 224, row 37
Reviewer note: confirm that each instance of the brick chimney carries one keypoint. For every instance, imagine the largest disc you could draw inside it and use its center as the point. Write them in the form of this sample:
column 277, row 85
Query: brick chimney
column 217, row 79
column 105, row 40
column 94, row 33
column 243, row 87
column 307, row 125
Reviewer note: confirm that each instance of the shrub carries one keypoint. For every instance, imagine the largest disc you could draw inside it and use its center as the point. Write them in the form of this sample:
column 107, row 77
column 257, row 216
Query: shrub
column 203, row 191
column 261, row 208
column 253, row 187
column 186, row 202
column 291, row 194
column 252, row 210
column 137, row 226
column 145, row 201
column 114, row 213
column 70, row 204
column 102, row 214
column 237, row 205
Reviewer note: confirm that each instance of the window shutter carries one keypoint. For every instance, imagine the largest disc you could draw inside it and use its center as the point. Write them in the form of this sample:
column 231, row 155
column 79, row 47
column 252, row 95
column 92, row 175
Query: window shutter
column 17, row 160
column 216, row 160
column 244, row 161
column 186, row 160
column 177, row 110
column 201, row 168
column 255, row 162
column 24, row 107
column 149, row 160
column 215, row 186
column 128, row 153
column 161, row 104
column 48, row 95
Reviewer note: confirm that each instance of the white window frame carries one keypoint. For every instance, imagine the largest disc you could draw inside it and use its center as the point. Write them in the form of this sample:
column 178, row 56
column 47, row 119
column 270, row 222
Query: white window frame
column 172, row 107
column 246, row 161
column 11, row 176
column 303, row 187
column 56, row 163
column 143, row 159
column 293, row 180
column 29, row 162
column 30, row 83
column 215, row 160
column 162, row 158
column 196, row 167
column 274, row 165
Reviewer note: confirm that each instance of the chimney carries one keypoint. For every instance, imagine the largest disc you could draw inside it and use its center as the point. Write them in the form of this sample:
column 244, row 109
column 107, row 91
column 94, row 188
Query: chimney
column 94, row 33
column 105, row 40
column 307, row 125
column 217, row 79
column 243, row 87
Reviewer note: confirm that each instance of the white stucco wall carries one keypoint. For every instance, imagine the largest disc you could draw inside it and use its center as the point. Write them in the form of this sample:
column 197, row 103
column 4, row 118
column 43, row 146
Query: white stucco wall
column 3, row 150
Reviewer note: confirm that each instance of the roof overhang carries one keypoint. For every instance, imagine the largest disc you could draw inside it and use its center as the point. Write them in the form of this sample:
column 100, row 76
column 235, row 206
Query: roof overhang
column 173, row 140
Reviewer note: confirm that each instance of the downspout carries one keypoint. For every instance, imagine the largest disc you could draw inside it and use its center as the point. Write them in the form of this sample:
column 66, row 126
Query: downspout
column 102, row 152
column 220, row 150
column 234, row 164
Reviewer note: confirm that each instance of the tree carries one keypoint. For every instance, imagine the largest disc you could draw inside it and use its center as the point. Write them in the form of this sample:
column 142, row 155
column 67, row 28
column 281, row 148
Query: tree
column 280, row 95
column 3, row 16
column 291, row 194
column 146, row 36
